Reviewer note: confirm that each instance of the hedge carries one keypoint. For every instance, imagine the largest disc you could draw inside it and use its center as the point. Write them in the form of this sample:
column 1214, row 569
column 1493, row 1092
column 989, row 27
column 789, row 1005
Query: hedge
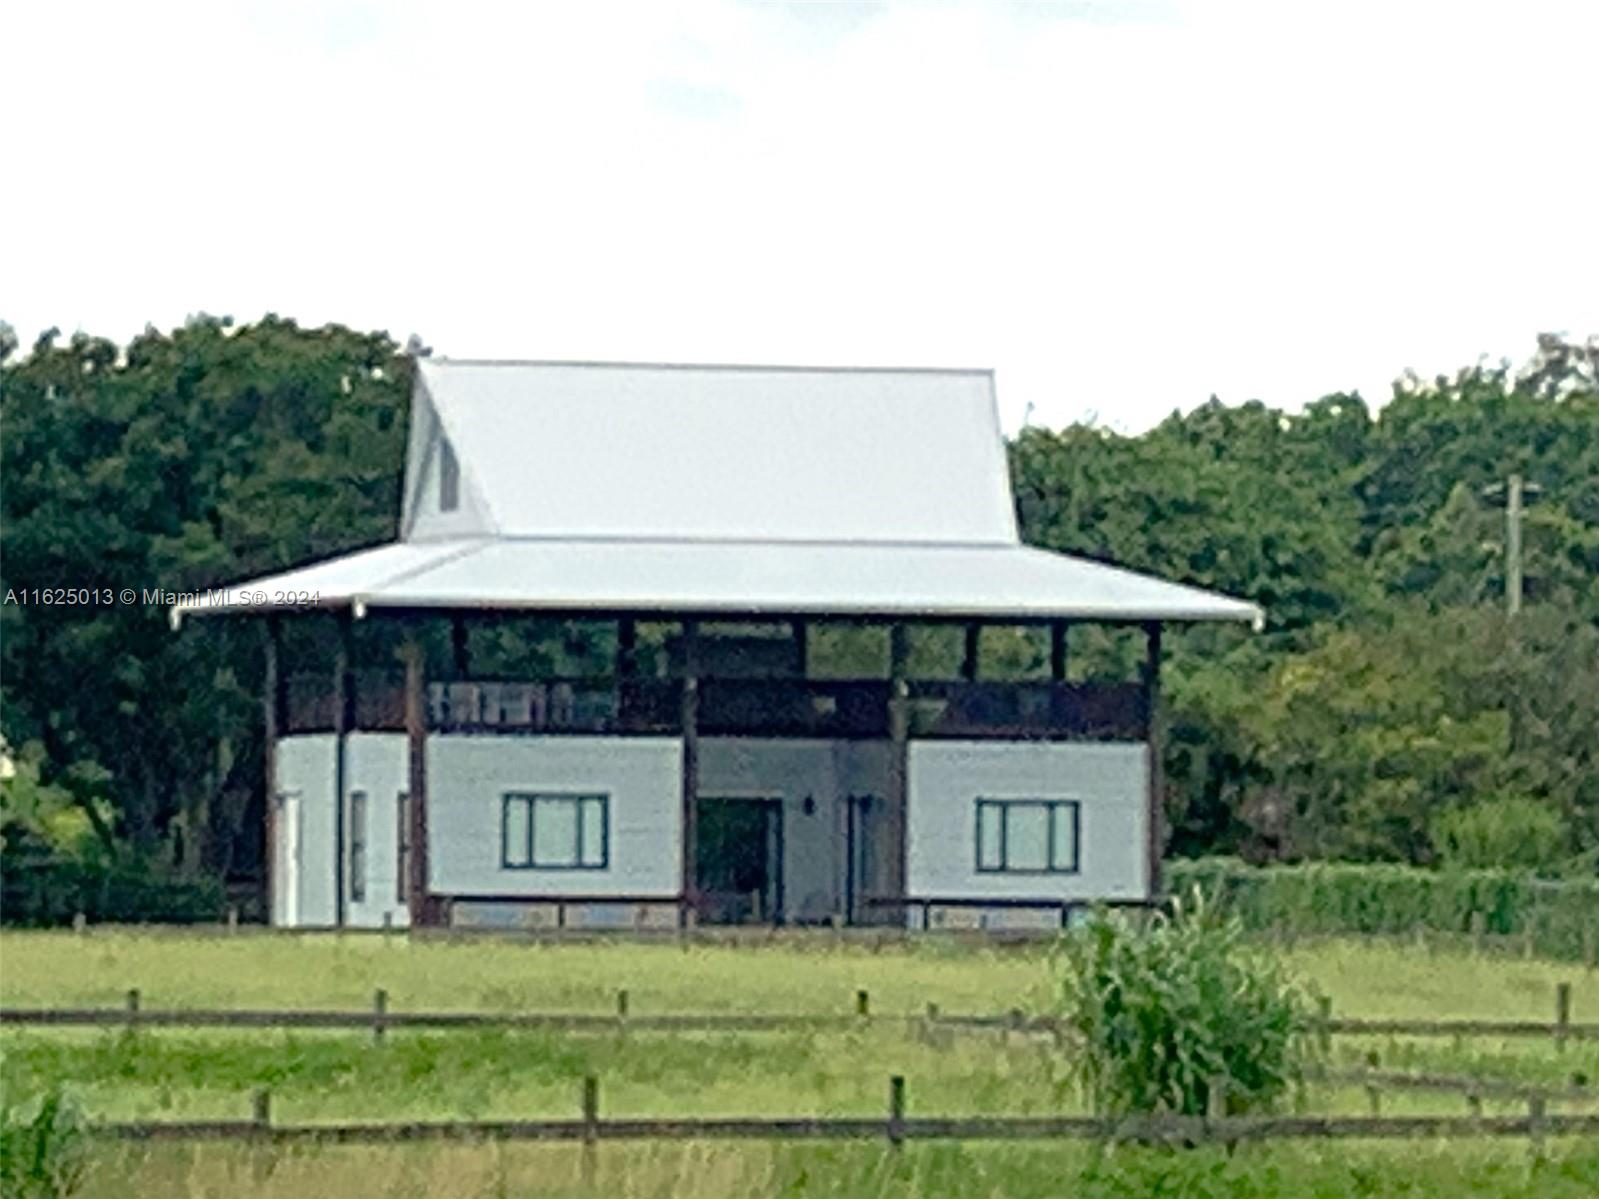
column 1561, row 919
column 42, row 892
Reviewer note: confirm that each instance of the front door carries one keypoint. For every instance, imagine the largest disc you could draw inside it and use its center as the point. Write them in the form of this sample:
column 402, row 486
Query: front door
column 862, row 815
column 738, row 859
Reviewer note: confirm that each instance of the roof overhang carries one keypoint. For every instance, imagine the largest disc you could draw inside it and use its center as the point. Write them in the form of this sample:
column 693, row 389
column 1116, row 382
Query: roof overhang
column 932, row 580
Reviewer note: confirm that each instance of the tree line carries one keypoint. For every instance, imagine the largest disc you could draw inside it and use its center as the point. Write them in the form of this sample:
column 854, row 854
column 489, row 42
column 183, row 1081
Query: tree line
column 1389, row 711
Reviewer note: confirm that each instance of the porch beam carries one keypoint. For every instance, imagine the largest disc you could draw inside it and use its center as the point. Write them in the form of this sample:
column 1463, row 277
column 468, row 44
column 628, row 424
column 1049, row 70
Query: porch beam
column 970, row 651
column 1057, row 650
column 416, row 862
column 271, row 726
column 898, row 765
column 1155, row 815
column 690, row 719
column 341, row 735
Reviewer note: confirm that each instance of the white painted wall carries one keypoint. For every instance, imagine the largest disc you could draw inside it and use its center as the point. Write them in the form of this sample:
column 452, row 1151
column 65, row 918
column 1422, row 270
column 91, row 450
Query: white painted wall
column 1109, row 780
column 380, row 765
column 304, row 886
column 468, row 777
column 793, row 771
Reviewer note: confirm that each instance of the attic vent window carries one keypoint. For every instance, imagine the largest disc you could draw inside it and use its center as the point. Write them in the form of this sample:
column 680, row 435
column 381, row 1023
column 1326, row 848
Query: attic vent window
column 449, row 478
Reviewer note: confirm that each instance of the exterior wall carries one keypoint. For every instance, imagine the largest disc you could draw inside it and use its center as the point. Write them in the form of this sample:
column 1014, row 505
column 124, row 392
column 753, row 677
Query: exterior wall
column 1109, row 779
column 468, row 777
column 424, row 520
column 793, row 771
column 379, row 764
column 303, row 856
column 376, row 763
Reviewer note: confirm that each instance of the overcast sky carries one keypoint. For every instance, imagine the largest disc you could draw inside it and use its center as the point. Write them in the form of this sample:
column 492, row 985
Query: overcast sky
column 1123, row 207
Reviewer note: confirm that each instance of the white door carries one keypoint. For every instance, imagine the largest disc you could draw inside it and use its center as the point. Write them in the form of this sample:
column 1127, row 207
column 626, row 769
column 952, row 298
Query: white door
column 287, row 862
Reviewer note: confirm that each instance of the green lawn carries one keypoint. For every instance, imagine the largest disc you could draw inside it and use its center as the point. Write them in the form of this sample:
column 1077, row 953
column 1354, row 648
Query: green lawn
column 315, row 1076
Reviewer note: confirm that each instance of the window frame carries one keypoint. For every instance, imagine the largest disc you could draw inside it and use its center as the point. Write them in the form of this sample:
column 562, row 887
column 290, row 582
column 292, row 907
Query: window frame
column 1055, row 810
column 402, row 848
column 359, row 832
column 449, row 477
column 579, row 800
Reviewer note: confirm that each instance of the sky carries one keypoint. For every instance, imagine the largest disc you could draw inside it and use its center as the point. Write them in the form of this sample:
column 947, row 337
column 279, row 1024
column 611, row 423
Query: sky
column 1122, row 208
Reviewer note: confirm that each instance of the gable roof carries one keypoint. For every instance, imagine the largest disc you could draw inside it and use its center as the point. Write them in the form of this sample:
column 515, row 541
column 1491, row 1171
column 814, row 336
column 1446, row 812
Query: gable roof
column 606, row 487
column 718, row 453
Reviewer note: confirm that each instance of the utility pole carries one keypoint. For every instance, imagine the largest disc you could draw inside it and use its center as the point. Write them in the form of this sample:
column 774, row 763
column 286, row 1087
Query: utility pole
column 1513, row 546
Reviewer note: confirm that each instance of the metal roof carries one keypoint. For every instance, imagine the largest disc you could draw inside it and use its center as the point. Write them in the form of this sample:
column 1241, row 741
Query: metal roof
column 888, row 579
column 783, row 490
column 769, row 453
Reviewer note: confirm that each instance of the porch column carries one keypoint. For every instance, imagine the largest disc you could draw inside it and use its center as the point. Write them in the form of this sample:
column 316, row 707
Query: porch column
column 416, row 861
column 898, row 870
column 969, row 655
column 690, row 713
column 271, row 727
column 1155, row 816
column 1057, row 651
column 460, row 649
column 341, row 736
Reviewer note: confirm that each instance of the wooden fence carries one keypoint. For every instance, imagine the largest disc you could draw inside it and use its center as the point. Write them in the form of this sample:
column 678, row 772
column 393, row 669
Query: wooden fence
column 896, row 1127
column 380, row 1017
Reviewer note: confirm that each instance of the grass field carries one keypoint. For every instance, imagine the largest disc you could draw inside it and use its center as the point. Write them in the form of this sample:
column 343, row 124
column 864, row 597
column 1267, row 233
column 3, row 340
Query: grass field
column 492, row 1074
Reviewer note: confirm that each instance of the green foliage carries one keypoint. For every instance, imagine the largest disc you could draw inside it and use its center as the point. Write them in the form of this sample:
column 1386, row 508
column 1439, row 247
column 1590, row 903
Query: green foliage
column 1165, row 1012
column 1345, row 898
column 43, row 1147
column 1505, row 833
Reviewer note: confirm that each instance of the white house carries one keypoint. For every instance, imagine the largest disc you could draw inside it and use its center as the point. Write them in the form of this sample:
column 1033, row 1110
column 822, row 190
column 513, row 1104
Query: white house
column 737, row 514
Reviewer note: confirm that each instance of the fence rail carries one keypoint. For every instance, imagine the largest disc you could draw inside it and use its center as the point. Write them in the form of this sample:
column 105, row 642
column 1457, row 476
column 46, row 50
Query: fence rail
column 381, row 1017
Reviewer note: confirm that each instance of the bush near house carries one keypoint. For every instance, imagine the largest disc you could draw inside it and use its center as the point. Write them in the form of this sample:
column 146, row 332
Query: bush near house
column 1560, row 918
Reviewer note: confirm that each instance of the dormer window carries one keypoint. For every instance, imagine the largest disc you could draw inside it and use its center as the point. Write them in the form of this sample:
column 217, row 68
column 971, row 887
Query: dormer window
column 449, row 478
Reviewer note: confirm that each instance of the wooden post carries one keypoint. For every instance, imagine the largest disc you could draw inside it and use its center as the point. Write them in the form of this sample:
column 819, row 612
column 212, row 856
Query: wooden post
column 1374, row 1098
column 1536, row 1105
column 416, row 891
column 970, row 651
column 896, row 1111
column 261, row 1108
column 899, row 768
column 341, row 737
column 1324, row 1023
column 689, row 820
column 133, row 1006
column 271, row 728
column 80, row 923
column 1590, row 948
column 1562, row 1014
column 460, row 649
column 626, row 648
column 621, row 1006
column 380, row 1009
column 1216, row 1098
column 1057, row 650
column 1155, row 813
column 802, row 646
column 233, row 919
column 591, row 1109
column 863, row 1004
column 1479, row 928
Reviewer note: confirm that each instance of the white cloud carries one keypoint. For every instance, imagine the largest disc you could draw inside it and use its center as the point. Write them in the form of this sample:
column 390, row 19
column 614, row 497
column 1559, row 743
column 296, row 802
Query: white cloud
column 1124, row 209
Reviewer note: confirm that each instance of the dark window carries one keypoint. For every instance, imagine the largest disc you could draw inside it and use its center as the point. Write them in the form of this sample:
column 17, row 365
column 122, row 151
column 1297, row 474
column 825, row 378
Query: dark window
column 555, row 832
column 1028, row 836
column 449, row 477
column 357, row 846
column 402, row 847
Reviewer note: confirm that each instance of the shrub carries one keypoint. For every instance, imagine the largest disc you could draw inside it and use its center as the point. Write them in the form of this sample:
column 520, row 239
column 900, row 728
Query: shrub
column 1343, row 898
column 1501, row 834
column 43, row 1148
column 1164, row 1011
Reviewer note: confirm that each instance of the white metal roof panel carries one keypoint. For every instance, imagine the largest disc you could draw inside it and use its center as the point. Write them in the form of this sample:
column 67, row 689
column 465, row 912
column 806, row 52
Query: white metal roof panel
column 709, row 452
column 759, row 577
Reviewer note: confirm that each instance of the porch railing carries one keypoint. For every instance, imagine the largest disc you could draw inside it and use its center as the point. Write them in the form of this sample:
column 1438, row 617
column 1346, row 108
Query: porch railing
column 820, row 708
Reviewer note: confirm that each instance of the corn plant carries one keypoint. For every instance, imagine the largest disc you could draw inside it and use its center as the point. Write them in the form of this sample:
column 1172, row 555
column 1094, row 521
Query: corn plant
column 1166, row 1011
column 43, row 1148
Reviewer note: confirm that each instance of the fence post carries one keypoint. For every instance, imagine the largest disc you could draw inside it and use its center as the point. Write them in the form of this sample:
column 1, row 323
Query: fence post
column 1374, row 1098
column 80, row 923
column 1562, row 1013
column 380, row 1009
column 133, row 1006
column 1479, row 927
column 621, row 1006
column 863, row 1004
column 1535, row 1114
column 261, row 1109
column 1216, row 1098
column 1474, row 1101
column 1590, row 952
column 233, row 919
column 896, row 1110
column 1324, row 1022
column 591, row 1125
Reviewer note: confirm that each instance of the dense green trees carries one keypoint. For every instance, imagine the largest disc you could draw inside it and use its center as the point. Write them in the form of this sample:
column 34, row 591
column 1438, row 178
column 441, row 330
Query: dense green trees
column 1387, row 690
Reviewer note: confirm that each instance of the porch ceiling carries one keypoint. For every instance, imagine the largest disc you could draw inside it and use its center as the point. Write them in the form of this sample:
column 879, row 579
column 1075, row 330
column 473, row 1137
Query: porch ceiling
column 988, row 581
